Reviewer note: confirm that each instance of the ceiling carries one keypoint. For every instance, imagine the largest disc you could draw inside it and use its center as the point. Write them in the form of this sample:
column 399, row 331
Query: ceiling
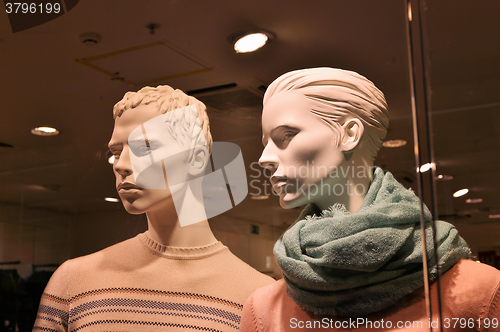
column 50, row 77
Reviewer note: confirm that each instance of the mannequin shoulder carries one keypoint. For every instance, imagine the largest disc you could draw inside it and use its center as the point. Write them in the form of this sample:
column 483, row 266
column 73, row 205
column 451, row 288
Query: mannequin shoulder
column 270, row 309
column 471, row 286
column 109, row 256
column 239, row 268
column 469, row 274
column 272, row 295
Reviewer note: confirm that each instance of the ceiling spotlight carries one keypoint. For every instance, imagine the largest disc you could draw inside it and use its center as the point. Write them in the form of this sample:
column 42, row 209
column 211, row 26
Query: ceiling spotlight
column 460, row 192
column 251, row 42
column 425, row 167
column 45, row 131
column 473, row 200
column 443, row 177
column 394, row 143
column 111, row 199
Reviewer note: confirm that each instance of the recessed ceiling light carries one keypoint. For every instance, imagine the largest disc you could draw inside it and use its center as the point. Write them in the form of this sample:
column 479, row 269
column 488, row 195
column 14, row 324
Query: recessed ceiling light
column 251, row 42
column 394, row 143
column 44, row 131
column 259, row 197
column 494, row 216
column 473, row 200
column 111, row 160
column 425, row 167
column 111, row 199
column 443, row 177
column 460, row 192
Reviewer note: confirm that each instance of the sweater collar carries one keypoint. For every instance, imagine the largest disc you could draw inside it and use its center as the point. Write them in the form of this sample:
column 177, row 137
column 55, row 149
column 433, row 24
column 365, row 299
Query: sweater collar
column 181, row 253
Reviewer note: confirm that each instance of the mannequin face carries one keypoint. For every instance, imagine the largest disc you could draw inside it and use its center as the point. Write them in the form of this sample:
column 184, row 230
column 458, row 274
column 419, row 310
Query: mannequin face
column 300, row 149
column 163, row 155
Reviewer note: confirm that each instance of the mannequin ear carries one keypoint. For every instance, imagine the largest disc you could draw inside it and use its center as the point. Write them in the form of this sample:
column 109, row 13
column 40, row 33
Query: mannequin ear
column 199, row 161
column 353, row 130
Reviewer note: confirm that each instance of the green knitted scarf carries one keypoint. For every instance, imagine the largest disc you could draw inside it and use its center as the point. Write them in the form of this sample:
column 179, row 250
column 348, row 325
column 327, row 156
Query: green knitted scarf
column 342, row 264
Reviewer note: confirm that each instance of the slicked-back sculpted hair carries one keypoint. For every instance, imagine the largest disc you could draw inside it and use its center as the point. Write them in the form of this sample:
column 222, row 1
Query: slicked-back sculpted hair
column 337, row 94
column 183, row 127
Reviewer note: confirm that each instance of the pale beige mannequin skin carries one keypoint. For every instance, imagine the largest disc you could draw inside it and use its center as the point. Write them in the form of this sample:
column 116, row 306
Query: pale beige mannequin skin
column 157, row 204
column 305, row 159
column 316, row 138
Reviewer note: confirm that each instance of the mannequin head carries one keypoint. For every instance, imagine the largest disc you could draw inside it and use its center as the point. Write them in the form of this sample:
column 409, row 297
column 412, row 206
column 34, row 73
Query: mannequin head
column 164, row 136
column 320, row 127
column 188, row 133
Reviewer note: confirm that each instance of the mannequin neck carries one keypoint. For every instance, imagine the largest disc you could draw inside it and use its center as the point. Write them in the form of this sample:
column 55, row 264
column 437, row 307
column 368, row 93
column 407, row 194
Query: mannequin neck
column 354, row 178
column 164, row 226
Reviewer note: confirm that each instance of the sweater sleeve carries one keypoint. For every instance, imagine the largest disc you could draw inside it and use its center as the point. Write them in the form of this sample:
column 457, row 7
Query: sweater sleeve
column 53, row 312
column 249, row 318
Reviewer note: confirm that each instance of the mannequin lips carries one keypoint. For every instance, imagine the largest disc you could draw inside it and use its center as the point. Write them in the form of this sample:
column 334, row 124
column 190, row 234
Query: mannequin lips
column 127, row 187
column 279, row 187
column 280, row 184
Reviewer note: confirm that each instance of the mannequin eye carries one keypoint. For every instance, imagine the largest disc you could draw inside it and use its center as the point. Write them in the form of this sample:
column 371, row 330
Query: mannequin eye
column 140, row 151
column 141, row 148
column 287, row 135
column 115, row 152
column 282, row 135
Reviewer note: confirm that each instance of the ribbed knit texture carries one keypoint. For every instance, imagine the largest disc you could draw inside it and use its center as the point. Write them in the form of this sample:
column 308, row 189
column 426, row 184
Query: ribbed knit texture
column 141, row 285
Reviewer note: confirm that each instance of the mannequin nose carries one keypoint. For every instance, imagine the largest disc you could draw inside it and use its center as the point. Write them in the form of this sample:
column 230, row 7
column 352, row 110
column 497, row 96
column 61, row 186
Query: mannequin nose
column 269, row 159
column 122, row 165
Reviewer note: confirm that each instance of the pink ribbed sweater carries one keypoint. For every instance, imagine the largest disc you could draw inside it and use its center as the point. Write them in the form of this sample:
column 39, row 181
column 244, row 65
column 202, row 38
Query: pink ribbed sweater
column 470, row 295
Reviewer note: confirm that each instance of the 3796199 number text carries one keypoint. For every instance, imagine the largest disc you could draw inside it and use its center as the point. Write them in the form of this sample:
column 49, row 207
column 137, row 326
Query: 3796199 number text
column 32, row 8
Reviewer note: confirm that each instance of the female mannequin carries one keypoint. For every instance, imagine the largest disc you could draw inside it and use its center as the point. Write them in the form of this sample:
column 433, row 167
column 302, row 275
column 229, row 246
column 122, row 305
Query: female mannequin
column 353, row 259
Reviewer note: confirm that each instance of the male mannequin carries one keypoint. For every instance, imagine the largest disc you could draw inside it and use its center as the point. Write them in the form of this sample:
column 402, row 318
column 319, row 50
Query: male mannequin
column 171, row 278
column 354, row 255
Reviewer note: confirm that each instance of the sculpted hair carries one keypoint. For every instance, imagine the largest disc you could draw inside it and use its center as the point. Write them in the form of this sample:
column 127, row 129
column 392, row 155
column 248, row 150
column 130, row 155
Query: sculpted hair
column 183, row 127
column 336, row 95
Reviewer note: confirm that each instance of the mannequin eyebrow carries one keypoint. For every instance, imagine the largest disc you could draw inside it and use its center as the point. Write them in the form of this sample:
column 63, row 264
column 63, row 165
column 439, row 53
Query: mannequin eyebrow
column 149, row 141
column 140, row 141
column 115, row 146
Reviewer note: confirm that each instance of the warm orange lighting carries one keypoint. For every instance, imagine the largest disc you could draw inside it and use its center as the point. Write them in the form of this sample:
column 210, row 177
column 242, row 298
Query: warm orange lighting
column 443, row 177
column 259, row 197
column 251, row 42
column 473, row 200
column 425, row 167
column 460, row 192
column 44, row 131
column 394, row 143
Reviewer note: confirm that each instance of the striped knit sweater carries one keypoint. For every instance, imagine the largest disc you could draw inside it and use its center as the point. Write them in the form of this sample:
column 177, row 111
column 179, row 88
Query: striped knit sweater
column 141, row 285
